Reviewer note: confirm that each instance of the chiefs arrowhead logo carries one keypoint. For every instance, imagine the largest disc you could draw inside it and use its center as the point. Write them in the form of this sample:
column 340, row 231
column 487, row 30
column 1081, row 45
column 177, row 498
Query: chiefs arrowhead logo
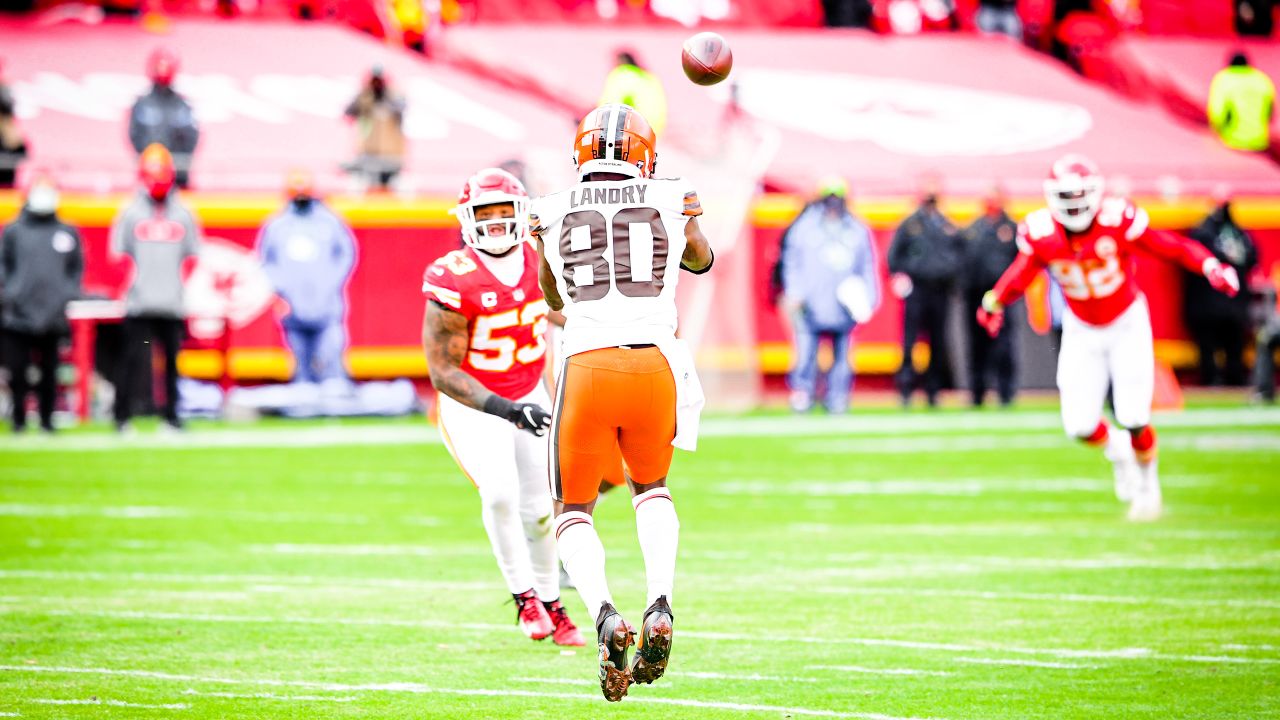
column 227, row 282
column 907, row 116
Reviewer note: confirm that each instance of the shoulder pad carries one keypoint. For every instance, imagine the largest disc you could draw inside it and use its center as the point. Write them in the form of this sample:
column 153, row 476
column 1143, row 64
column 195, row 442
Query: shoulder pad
column 1039, row 225
column 1115, row 212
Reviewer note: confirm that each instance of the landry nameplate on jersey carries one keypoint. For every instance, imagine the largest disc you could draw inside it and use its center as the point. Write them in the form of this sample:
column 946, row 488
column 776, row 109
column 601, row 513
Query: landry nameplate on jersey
column 629, row 194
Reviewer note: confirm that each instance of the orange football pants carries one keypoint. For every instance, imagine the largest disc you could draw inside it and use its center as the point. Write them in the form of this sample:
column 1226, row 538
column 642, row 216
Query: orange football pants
column 612, row 399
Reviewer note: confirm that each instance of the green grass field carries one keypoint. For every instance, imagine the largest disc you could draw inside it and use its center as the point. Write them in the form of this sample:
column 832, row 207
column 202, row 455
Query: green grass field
column 948, row 565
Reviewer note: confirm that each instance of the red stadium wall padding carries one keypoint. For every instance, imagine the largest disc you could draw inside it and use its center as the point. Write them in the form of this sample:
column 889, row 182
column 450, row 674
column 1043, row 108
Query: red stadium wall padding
column 385, row 302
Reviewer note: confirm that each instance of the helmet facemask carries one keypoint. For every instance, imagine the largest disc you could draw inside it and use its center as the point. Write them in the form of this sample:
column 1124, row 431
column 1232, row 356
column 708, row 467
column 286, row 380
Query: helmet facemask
column 494, row 224
column 1074, row 200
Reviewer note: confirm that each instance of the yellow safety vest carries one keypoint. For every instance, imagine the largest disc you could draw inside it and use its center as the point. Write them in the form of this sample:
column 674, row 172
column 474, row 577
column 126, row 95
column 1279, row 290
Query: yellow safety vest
column 641, row 90
column 1241, row 99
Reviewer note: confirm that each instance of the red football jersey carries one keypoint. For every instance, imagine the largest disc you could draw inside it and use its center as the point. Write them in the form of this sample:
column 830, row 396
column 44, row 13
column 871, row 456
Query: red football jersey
column 1096, row 268
column 507, row 325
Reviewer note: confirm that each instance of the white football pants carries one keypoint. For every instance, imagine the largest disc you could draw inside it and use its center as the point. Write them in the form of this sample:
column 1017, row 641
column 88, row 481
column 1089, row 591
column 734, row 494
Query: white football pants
column 509, row 468
column 1094, row 357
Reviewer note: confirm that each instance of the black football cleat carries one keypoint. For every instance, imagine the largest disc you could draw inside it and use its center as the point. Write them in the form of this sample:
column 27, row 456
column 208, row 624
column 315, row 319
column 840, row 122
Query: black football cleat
column 655, row 643
column 615, row 635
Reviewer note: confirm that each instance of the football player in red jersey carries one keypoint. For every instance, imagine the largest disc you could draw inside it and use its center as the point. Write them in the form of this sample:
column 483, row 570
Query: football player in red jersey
column 1088, row 243
column 484, row 333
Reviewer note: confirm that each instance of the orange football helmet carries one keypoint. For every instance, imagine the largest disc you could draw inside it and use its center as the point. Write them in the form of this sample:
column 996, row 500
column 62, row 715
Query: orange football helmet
column 615, row 138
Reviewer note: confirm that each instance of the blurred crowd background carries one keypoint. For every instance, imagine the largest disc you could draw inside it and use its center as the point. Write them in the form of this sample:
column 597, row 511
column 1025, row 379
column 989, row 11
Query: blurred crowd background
column 223, row 207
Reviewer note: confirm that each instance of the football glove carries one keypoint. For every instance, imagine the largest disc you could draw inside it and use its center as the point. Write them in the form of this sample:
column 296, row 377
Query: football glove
column 1223, row 278
column 526, row 416
column 991, row 314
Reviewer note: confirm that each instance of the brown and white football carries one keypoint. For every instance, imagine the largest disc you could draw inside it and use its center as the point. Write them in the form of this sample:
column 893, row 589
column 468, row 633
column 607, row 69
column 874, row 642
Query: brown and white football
column 707, row 58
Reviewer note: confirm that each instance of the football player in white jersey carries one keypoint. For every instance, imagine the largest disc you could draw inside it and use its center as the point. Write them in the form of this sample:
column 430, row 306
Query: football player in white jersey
column 612, row 249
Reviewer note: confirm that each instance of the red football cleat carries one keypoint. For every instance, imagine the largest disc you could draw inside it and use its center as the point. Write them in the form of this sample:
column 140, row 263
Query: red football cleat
column 566, row 633
column 532, row 616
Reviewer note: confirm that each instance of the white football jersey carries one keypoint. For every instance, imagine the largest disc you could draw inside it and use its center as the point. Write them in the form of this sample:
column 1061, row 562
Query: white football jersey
column 615, row 249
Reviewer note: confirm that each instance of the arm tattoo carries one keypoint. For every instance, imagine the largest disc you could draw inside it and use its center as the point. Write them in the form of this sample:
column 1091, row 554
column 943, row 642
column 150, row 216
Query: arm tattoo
column 446, row 340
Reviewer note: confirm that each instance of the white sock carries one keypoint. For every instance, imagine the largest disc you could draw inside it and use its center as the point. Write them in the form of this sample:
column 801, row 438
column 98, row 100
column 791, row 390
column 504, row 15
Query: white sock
column 583, row 557
column 659, row 531
column 502, row 523
column 542, row 556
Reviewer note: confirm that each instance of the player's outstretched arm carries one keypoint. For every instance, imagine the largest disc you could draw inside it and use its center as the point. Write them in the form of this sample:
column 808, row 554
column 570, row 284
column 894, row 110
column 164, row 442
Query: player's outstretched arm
column 1191, row 255
column 1011, row 285
column 697, row 257
column 445, row 338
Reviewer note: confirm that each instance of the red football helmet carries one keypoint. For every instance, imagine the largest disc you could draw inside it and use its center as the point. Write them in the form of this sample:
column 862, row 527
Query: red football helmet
column 615, row 138
column 155, row 170
column 1074, row 192
column 162, row 66
column 493, row 186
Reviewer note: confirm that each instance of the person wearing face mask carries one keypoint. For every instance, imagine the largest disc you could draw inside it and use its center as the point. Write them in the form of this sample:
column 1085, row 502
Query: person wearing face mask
column 158, row 233
column 41, row 264
column 164, row 116
column 989, row 248
column 378, row 113
column 924, row 261
column 308, row 252
column 829, row 284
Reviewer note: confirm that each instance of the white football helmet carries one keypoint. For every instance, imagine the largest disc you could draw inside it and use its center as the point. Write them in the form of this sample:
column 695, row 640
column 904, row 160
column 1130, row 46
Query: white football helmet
column 1074, row 192
column 492, row 186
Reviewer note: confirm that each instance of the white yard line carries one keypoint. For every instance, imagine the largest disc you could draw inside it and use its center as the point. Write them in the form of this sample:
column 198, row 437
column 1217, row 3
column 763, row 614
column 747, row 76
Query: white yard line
column 421, row 689
column 961, row 486
column 1133, row 653
column 112, row 703
column 1052, row 597
column 365, row 550
column 584, row 682
column 1017, row 662
column 859, row 669
column 127, row 512
column 953, row 443
column 771, row 427
column 271, row 696
column 212, row 438
column 275, row 620
column 165, row 513
column 746, row 677
column 886, row 424
column 309, row 581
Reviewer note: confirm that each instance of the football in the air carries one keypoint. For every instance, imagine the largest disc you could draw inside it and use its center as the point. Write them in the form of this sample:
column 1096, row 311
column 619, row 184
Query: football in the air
column 707, row 58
